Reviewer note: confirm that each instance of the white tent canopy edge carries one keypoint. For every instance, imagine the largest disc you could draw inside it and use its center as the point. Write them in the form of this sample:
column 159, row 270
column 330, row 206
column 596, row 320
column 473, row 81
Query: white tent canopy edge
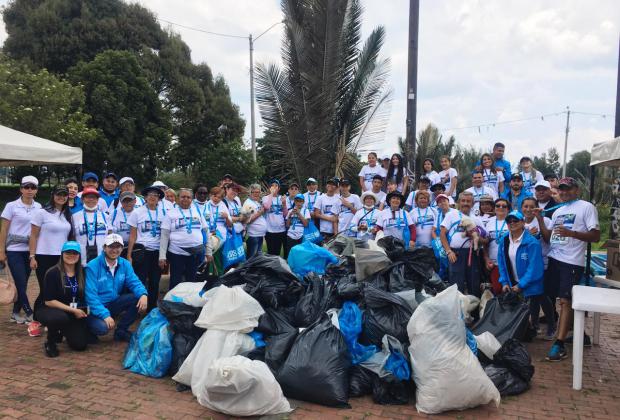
column 18, row 149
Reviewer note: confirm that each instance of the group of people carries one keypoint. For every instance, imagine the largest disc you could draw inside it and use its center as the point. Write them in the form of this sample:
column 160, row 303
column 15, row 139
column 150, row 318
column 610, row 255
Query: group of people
column 531, row 229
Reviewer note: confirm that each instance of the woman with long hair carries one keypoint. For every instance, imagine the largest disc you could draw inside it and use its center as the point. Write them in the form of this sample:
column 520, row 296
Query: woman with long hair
column 493, row 177
column 448, row 176
column 496, row 228
column 51, row 227
column 530, row 175
column 64, row 310
column 14, row 238
column 428, row 168
column 396, row 172
column 73, row 201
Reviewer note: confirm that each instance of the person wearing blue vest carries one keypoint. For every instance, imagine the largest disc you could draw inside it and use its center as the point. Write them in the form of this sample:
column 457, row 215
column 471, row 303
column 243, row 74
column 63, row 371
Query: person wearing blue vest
column 108, row 278
column 109, row 188
column 516, row 193
column 521, row 266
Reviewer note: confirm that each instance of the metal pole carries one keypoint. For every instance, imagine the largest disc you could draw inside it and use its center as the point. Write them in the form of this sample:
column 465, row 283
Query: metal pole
column 412, row 81
column 566, row 141
column 617, row 129
column 252, row 122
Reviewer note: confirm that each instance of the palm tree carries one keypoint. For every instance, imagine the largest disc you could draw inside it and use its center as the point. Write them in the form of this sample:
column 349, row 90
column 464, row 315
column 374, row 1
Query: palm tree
column 330, row 97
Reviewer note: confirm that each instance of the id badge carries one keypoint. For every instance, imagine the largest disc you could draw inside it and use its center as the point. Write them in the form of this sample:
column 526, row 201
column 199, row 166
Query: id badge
column 73, row 305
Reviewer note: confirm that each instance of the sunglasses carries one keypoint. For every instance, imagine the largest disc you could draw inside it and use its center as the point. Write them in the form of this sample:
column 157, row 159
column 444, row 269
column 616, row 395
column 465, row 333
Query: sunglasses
column 501, row 206
column 30, row 187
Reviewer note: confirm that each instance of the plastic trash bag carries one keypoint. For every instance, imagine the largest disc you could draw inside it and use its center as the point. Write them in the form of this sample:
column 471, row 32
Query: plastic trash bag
column 387, row 390
column 469, row 304
column 385, row 314
column 279, row 336
column 487, row 344
column 206, row 273
column 233, row 251
column 230, row 309
column 446, row 373
column 342, row 245
column 471, row 342
column 149, row 352
column 393, row 247
column 309, row 258
column 390, row 346
column 420, row 265
column 515, row 356
column 181, row 318
column 394, row 273
column 316, row 369
column 320, row 295
column 188, row 293
column 410, row 297
column 369, row 262
column 350, row 320
column 238, row 386
column 505, row 316
column 505, row 380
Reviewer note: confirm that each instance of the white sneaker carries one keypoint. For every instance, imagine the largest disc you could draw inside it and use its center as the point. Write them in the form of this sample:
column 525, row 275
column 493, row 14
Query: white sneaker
column 28, row 319
column 15, row 317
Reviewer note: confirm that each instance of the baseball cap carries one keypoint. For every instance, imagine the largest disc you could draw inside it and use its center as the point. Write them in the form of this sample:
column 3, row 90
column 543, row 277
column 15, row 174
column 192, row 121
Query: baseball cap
column 90, row 191
column 126, row 195
column 90, row 175
column 299, row 197
column 110, row 174
column 229, row 176
column 425, row 179
column 437, row 186
column 441, row 196
column 333, row 181
column 515, row 214
column 543, row 184
column 486, row 197
column 70, row 246
column 60, row 189
column 159, row 184
column 515, row 176
column 293, row 184
column 385, row 156
column 126, row 179
column 311, row 181
column 113, row 238
column 29, row 179
column 275, row 181
column 568, row 182
column 345, row 181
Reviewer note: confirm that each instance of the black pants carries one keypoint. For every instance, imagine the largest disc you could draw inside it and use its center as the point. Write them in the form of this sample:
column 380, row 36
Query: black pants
column 149, row 273
column 44, row 263
column 467, row 277
column 290, row 242
column 276, row 241
column 538, row 301
column 60, row 323
column 182, row 268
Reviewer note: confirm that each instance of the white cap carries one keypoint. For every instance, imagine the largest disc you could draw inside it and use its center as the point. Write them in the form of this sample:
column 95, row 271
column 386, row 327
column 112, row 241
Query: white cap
column 29, row 179
column 368, row 194
column 542, row 184
column 159, row 184
column 126, row 179
column 311, row 180
column 385, row 156
column 113, row 238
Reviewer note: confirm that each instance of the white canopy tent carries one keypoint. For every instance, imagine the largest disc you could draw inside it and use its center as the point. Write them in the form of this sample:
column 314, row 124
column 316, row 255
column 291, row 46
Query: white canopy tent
column 606, row 153
column 18, row 149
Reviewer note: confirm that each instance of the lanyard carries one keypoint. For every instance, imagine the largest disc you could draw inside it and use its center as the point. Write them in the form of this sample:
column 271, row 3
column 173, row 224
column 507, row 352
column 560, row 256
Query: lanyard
column 90, row 226
column 420, row 215
column 498, row 232
column 487, row 175
column 235, row 207
column 398, row 220
column 153, row 223
column 478, row 194
column 311, row 202
column 559, row 205
column 73, row 284
column 295, row 219
column 188, row 222
column 440, row 217
column 213, row 225
column 369, row 218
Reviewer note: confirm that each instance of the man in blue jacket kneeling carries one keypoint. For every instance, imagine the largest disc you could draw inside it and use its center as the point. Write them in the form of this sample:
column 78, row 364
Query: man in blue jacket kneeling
column 107, row 277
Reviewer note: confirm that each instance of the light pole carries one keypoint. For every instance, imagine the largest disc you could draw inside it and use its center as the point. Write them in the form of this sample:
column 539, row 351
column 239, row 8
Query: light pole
column 566, row 141
column 252, row 118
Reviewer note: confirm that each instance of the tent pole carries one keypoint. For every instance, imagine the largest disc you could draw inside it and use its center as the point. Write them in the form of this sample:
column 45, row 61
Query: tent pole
column 589, row 249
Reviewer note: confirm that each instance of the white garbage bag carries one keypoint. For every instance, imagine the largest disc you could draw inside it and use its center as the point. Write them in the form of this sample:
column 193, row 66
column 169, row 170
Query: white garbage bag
column 239, row 386
column 230, row 309
column 447, row 374
column 488, row 344
column 188, row 293
column 469, row 304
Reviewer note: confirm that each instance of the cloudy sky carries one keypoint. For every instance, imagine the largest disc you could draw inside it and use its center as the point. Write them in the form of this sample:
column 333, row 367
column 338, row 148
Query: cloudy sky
column 479, row 62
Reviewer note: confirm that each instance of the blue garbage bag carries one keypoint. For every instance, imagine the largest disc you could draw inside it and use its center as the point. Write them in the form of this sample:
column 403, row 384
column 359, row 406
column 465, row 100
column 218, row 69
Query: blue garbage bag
column 471, row 342
column 350, row 320
column 149, row 352
column 397, row 365
column 312, row 234
column 233, row 251
column 259, row 338
column 442, row 258
column 309, row 258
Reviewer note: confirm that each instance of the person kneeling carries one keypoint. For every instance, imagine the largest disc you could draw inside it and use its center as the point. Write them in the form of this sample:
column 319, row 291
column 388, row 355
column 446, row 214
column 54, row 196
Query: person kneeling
column 64, row 312
column 107, row 276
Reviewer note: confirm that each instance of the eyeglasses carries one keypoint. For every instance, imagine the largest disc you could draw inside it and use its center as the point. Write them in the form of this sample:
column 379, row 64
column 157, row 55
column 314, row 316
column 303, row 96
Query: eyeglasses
column 30, row 187
column 501, row 206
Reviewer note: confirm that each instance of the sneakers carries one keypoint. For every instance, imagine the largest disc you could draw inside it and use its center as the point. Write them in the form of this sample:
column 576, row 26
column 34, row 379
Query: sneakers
column 587, row 342
column 557, row 353
column 50, row 349
column 16, row 317
column 34, row 329
column 550, row 336
column 28, row 318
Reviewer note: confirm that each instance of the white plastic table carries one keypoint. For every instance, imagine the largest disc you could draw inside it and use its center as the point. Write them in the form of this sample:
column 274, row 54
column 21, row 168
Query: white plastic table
column 589, row 299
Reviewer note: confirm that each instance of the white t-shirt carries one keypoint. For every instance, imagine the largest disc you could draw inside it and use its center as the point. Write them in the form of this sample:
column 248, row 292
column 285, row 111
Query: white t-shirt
column 296, row 229
column 275, row 214
column 185, row 228
column 258, row 227
column 55, row 229
column 165, row 205
column 410, row 201
column 495, row 229
column 424, row 221
column 369, row 172
column 492, row 179
column 148, row 225
column 530, row 182
column 101, row 203
column 345, row 215
column 513, row 246
column 578, row 216
column 94, row 228
column 20, row 217
column 394, row 224
column 380, row 198
column 544, row 244
column 401, row 184
column 310, row 199
column 366, row 218
column 329, row 206
column 215, row 221
column 485, row 220
column 454, row 232
column 120, row 225
column 433, row 176
column 479, row 192
column 446, row 176
column 234, row 209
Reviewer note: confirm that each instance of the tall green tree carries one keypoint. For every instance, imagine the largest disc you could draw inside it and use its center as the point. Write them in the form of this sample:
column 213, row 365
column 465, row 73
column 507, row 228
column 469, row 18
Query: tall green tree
column 547, row 162
column 330, row 96
column 125, row 108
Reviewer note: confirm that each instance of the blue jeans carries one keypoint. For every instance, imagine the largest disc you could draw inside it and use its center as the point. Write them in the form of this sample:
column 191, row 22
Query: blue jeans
column 254, row 245
column 182, row 268
column 19, row 264
column 124, row 304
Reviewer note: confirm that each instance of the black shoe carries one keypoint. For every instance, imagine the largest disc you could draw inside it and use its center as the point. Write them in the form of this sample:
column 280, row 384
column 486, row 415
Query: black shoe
column 122, row 336
column 586, row 340
column 50, row 349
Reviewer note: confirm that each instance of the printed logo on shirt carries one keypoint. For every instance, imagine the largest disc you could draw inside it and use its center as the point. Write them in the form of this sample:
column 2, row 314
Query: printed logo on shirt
column 181, row 223
column 426, row 220
column 123, row 227
column 524, row 256
column 327, row 209
column 368, row 176
column 566, row 220
column 101, row 229
column 276, row 208
column 147, row 226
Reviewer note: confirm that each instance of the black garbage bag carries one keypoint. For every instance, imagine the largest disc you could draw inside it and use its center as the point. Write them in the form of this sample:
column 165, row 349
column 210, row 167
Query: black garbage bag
column 506, row 381
column 347, row 288
column 279, row 337
column 181, row 318
column 394, row 247
column 319, row 296
column 391, row 391
column 394, row 274
column 506, row 316
column 514, row 356
column 420, row 264
column 385, row 314
column 317, row 367
column 204, row 273
column 360, row 381
column 257, row 353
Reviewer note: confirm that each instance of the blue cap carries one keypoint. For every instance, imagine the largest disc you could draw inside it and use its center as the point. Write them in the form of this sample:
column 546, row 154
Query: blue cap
column 71, row 246
column 516, row 214
column 90, row 175
column 299, row 197
column 275, row 181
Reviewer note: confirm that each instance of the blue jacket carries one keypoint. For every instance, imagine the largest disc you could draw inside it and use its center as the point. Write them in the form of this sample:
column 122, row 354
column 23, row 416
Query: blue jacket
column 103, row 288
column 516, row 204
column 530, row 266
column 108, row 198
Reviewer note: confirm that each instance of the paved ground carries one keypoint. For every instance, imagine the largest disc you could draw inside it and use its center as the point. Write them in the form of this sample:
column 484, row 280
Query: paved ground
column 92, row 384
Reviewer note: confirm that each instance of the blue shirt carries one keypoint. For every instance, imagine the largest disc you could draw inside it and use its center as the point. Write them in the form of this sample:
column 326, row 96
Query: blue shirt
column 108, row 198
column 516, row 202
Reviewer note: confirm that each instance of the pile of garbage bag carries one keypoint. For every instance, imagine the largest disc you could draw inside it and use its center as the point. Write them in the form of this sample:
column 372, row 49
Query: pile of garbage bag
column 313, row 330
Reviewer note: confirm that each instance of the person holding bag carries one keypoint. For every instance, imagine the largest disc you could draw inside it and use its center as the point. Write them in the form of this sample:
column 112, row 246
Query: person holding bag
column 64, row 310
column 297, row 219
column 218, row 221
column 363, row 225
column 14, row 237
column 90, row 225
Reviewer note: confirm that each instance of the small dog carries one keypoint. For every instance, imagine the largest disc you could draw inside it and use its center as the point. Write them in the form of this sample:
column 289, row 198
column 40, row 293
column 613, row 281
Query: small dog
column 470, row 229
column 247, row 211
